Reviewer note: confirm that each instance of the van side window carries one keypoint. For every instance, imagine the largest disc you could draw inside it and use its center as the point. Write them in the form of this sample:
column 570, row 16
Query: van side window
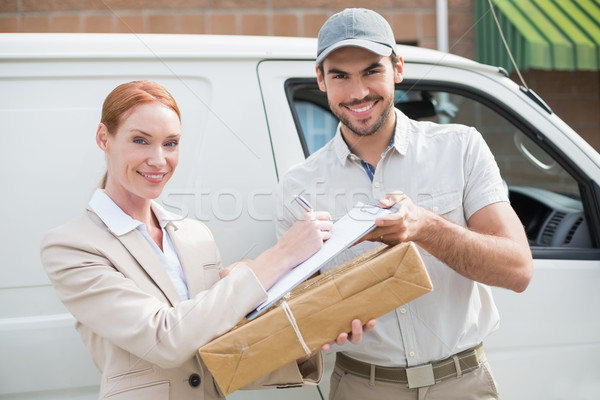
column 320, row 122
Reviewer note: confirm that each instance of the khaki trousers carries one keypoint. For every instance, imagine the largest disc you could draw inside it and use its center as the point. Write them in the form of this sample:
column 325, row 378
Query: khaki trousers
column 475, row 385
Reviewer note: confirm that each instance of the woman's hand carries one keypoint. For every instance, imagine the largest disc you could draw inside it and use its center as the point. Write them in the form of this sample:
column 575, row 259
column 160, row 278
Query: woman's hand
column 306, row 236
column 230, row 268
column 301, row 241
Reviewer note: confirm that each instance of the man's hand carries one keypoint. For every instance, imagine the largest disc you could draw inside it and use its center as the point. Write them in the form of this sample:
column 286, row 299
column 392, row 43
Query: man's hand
column 401, row 226
column 491, row 249
column 354, row 336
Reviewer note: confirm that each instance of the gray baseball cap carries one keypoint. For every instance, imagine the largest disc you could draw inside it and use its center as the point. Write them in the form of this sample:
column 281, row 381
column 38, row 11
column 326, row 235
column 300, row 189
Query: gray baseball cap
column 356, row 27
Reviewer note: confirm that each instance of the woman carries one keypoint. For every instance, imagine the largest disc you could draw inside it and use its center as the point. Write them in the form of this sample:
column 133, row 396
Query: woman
column 143, row 283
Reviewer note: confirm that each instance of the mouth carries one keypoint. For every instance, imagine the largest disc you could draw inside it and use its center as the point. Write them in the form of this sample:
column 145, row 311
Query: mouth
column 361, row 109
column 153, row 177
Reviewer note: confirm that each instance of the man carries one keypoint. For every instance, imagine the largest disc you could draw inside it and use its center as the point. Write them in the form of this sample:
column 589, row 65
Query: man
column 452, row 205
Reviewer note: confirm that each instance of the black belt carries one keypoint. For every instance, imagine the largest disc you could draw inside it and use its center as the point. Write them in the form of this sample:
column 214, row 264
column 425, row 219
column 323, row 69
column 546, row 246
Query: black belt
column 419, row 376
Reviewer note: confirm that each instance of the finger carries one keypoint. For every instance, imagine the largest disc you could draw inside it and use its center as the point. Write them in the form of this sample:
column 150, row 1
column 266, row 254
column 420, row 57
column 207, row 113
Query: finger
column 223, row 273
column 369, row 325
column 389, row 219
column 226, row 271
column 341, row 339
column 392, row 198
column 324, row 225
column 376, row 235
column 398, row 217
column 309, row 216
column 233, row 266
column 362, row 239
column 322, row 215
column 357, row 331
column 368, row 237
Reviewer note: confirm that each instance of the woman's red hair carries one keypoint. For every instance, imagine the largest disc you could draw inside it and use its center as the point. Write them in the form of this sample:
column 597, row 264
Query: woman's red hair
column 124, row 98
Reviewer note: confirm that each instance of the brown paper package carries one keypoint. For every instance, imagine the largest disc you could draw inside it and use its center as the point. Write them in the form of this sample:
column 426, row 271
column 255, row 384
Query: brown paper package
column 365, row 287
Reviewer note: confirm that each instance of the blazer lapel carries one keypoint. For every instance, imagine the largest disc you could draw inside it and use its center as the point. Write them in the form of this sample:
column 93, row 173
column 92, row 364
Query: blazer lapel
column 189, row 256
column 140, row 249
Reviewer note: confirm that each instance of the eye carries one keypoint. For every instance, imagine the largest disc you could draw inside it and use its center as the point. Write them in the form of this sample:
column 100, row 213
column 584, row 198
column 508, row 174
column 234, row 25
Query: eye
column 139, row 141
column 172, row 143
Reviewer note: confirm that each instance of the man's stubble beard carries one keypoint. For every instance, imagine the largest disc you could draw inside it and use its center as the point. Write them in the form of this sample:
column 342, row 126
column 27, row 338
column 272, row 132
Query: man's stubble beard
column 358, row 131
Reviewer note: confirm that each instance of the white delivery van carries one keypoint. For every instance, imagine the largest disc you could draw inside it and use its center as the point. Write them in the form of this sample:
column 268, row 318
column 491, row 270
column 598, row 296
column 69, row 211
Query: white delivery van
column 251, row 109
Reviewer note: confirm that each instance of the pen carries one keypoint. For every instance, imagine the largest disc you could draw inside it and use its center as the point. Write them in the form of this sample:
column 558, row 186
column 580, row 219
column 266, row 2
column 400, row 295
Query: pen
column 303, row 203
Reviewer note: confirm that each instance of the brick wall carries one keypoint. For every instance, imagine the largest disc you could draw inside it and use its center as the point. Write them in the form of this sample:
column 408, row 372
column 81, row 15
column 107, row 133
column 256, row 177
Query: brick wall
column 574, row 96
column 413, row 21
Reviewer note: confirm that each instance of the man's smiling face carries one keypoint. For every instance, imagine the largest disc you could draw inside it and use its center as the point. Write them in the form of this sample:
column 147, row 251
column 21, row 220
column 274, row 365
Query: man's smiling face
column 360, row 88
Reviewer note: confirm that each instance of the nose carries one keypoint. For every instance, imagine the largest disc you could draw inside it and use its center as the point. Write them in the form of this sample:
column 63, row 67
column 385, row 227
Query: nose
column 358, row 89
column 156, row 156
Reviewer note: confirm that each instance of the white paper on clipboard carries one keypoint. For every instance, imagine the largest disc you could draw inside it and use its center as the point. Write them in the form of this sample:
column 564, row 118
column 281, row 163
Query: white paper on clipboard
column 345, row 232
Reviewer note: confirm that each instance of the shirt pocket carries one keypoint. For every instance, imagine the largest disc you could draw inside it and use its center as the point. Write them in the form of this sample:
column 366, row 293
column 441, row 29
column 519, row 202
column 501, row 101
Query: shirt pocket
column 446, row 203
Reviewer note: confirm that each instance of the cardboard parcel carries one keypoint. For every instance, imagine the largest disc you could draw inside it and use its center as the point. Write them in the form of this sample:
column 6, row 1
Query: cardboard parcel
column 365, row 287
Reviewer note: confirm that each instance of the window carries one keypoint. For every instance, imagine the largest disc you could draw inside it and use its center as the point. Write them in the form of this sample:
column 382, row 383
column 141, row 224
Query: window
column 521, row 161
column 321, row 124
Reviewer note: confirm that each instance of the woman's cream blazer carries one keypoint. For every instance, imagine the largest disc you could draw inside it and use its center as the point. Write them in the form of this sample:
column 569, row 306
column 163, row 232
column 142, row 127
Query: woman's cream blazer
column 141, row 336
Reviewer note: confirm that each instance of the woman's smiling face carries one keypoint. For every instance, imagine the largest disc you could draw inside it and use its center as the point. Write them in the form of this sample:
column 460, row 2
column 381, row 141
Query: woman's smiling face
column 143, row 152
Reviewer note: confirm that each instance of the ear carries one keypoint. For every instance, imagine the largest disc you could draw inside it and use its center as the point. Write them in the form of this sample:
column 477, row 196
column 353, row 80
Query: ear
column 321, row 80
column 399, row 70
column 102, row 137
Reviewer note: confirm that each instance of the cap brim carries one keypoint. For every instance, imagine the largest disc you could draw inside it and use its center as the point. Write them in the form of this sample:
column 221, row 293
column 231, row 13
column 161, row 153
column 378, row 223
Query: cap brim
column 377, row 48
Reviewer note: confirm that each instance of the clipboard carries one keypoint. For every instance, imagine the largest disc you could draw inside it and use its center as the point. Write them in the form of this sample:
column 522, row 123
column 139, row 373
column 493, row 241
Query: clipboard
column 345, row 232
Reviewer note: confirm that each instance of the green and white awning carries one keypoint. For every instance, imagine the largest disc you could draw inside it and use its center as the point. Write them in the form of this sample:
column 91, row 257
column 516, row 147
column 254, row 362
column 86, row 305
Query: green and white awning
column 541, row 34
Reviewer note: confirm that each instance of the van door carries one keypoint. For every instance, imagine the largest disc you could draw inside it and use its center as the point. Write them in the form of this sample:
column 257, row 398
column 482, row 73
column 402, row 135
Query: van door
column 273, row 77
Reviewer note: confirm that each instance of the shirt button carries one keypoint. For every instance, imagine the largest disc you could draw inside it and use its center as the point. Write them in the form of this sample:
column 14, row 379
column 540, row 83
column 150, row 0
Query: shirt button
column 376, row 184
column 411, row 354
column 403, row 310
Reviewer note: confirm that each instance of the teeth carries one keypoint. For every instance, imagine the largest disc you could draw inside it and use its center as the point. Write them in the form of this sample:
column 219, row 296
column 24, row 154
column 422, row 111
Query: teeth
column 363, row 109
column 152, row 176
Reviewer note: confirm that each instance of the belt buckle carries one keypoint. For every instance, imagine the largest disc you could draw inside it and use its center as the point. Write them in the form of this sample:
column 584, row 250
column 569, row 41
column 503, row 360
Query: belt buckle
column 420, row 376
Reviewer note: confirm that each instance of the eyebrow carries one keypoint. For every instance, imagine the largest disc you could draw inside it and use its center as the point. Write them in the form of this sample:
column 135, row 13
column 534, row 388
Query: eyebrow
column 335, row 71
column 174, row 135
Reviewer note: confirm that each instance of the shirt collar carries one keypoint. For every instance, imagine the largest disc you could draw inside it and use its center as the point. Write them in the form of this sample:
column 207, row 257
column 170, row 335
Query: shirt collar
column 117, row 221
column 400, row 140
column 401, row 134
column 339, row 144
